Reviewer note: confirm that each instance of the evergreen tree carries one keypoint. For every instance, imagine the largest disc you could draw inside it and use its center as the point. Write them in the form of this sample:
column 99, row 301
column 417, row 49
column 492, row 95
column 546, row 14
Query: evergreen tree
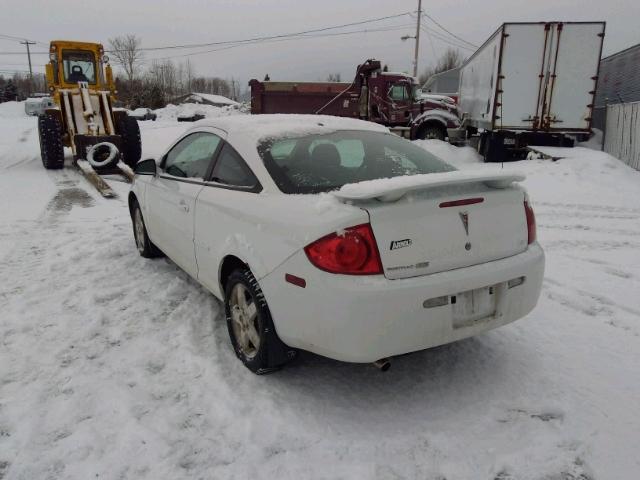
column 10, row 91
column 155, row 97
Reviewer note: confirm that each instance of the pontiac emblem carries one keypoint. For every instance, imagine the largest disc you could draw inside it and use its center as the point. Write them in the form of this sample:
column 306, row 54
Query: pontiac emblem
column 464, row 216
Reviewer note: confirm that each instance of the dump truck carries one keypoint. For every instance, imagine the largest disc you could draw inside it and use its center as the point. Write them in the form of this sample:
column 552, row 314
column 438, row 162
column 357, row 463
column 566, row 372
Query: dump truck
column 82, row 117
column 374, row 94
column 530, row 84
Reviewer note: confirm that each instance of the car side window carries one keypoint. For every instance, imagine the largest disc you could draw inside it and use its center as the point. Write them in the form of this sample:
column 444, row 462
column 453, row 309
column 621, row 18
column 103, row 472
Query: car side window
column 230, row 169
column 191, row 157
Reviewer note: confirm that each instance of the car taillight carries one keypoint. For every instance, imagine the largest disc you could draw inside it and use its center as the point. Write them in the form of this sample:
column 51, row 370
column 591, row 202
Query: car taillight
column 531, row 222
column 350, row 252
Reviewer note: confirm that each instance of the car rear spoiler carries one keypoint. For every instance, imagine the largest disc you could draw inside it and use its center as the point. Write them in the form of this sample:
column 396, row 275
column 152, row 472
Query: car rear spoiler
column 392, row 189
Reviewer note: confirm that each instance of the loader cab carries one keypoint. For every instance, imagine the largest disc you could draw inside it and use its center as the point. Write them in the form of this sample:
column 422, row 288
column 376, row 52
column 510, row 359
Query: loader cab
column 72, row 62
column 79, row 66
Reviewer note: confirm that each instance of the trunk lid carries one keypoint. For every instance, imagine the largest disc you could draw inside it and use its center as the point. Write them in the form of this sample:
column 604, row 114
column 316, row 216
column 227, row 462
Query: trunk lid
column 442, row 221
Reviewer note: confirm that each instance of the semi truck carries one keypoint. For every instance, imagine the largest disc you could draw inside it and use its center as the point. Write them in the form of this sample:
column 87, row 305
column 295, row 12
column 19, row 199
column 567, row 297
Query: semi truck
column 530, row 84
column 375, row 95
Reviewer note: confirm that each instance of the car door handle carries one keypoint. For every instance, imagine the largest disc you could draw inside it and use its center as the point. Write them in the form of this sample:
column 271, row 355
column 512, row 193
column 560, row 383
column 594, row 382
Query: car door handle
column 184, row 205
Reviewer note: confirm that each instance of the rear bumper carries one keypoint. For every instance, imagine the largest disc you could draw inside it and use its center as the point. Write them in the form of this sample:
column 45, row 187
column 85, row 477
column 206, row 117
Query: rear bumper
column 362, row 319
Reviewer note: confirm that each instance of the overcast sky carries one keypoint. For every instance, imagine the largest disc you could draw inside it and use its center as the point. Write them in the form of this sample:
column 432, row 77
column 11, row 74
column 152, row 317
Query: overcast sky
column 161, row 23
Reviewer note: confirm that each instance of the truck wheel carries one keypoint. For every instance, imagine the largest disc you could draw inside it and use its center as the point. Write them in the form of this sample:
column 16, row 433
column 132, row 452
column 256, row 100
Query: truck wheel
column 51, row 147
column 431, row 132
column 128, row 129
column 250, row 326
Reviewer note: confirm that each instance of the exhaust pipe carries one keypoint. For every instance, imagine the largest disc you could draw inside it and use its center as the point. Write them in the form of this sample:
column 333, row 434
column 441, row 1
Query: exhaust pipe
column 383, row 364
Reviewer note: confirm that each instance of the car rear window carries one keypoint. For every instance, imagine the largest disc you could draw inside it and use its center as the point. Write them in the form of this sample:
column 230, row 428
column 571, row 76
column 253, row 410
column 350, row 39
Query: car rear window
column 324, row 162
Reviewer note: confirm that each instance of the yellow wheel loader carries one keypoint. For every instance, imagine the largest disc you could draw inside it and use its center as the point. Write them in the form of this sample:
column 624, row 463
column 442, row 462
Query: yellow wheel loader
column 103, row 140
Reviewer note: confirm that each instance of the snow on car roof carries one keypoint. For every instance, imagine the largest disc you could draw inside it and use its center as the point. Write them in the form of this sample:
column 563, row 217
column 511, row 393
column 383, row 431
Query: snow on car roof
column 286, row 125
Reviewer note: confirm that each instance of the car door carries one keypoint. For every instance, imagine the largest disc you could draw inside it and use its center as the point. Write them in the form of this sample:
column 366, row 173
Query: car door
column 171, row 196
column 223, row 213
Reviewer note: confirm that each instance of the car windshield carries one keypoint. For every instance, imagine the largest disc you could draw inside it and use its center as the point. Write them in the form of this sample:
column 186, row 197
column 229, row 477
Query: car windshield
column 325, row 162
column 78, row 66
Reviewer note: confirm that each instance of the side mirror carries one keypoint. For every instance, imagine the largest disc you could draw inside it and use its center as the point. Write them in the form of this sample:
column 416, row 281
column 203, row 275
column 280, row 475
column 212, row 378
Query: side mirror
column 146, row 167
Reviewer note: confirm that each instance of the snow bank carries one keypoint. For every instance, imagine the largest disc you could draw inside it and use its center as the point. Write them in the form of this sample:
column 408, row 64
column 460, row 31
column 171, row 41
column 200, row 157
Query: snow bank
column 172, row 112
column 209, row 97
column 456, row 156
column 12, row 110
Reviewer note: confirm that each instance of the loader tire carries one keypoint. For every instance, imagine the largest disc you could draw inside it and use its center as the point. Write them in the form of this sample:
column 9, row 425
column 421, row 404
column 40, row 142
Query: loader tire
column 128, row 129
column 51, row 147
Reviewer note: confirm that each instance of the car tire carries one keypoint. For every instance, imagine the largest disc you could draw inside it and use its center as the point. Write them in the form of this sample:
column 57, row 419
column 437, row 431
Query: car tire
column 51, row 147
column 146, row 248
column 250, row 325
column 131, row 145
column 431, row 132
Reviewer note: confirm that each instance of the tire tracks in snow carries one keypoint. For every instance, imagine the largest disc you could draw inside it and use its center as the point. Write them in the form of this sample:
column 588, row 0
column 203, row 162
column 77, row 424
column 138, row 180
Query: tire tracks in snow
column 93, row 338
column 591, row 304
column 589, row 207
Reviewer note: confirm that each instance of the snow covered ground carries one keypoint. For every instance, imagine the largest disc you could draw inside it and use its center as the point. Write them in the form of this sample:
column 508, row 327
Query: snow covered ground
column 116, row 367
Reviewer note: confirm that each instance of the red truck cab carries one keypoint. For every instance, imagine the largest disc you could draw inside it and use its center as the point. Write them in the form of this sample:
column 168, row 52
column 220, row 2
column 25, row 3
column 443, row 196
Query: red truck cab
column 383, row 97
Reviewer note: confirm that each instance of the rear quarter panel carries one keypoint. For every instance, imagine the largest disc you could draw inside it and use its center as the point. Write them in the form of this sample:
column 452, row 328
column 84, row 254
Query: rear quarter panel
column 261, row 229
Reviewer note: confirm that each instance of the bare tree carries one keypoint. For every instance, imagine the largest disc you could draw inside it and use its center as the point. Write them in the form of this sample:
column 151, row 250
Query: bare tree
column 451, row 58
column 333, row 77
column 127, row 53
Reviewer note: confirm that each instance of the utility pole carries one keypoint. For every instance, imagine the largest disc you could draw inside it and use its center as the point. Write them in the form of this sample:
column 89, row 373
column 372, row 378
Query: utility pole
column 27, row 43
column 415, row 55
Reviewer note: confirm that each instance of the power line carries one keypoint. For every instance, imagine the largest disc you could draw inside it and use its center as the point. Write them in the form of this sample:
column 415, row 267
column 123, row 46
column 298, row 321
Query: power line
column 449, row 32
column 433, row 48
column 22, row 53
column 300, row 37
column 235, row 43
column 447, row 40
column 271, row 37
column 252, row 40
column 26, row 72
column 11, row 37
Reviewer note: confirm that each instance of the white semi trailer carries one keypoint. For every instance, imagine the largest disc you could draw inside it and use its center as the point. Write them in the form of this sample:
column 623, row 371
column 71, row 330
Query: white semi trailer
column 530, row 84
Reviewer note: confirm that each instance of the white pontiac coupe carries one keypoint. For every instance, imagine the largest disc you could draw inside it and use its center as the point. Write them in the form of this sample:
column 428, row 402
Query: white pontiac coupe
column 335, row 236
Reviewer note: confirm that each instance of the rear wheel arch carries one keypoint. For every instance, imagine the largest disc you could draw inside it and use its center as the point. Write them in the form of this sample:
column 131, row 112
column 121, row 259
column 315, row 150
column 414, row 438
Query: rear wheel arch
column 132, row 200
column 229, row 264
column 270, row 353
